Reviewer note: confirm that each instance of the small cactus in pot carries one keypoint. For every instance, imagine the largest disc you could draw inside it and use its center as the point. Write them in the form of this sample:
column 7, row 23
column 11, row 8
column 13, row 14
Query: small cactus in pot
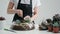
column 55, row 27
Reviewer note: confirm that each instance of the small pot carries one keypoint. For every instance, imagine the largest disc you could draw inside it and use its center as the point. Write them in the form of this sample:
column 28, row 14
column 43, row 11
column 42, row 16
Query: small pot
column 55, row 29
column 50, row 28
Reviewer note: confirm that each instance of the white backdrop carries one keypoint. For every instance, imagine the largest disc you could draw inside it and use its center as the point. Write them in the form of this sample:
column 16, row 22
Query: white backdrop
column 47, row 10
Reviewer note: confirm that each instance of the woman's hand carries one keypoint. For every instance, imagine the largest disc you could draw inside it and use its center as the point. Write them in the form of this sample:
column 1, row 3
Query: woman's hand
column 20, row 13
column 27, row 17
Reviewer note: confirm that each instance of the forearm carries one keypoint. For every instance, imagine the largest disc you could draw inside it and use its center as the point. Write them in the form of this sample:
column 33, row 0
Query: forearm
column 11, row 11
column 36, row 9
column 34, row 17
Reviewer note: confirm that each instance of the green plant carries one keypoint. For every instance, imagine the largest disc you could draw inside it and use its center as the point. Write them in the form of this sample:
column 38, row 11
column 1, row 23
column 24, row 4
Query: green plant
column 27, row 20
column 18, row 21
column 56, row 24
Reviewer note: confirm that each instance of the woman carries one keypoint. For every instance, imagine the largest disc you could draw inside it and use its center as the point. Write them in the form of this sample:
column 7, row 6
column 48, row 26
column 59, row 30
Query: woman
column 23, row 9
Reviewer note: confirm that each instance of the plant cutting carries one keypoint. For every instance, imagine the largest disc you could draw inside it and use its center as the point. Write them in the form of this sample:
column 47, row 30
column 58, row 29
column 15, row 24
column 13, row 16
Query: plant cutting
column 27, row 19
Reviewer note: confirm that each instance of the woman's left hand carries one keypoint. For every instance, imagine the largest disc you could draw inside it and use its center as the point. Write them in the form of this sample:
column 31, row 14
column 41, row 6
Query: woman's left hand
column 27, row 18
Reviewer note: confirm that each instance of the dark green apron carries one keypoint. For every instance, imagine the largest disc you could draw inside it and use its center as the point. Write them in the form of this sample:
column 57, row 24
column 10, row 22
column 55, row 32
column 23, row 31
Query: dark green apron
column 27, row 10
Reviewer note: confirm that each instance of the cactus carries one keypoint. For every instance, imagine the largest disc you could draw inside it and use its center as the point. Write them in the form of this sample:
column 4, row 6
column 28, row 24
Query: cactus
column 56, row 24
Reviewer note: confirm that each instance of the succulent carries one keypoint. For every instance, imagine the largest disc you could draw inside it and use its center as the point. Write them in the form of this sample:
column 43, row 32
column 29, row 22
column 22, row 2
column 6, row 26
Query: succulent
column 18, row 21
column 56, row 24
column 56, row 17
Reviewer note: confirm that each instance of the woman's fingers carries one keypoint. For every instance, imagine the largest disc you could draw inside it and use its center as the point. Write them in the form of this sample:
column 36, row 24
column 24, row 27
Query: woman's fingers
column 26, row 17
column 20, row 13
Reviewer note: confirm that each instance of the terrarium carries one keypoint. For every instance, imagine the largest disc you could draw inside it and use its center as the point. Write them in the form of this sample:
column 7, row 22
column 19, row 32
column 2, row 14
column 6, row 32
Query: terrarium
column 23, row 25
column 43, row 26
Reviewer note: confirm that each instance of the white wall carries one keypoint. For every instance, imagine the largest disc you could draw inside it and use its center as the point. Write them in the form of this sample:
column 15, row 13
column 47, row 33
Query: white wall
column 47, row 9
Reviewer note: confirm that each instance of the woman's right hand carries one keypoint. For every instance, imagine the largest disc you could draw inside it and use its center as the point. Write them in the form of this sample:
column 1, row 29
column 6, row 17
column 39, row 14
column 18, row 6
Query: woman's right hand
column 19, row 12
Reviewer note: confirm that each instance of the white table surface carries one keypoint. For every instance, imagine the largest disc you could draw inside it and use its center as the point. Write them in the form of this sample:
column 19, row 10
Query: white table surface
column 35, row 31
column 27, row 32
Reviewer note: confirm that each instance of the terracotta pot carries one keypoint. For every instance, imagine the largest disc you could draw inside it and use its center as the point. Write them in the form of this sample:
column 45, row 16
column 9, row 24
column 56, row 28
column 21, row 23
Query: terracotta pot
column 50, row 28
column 55, row 29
